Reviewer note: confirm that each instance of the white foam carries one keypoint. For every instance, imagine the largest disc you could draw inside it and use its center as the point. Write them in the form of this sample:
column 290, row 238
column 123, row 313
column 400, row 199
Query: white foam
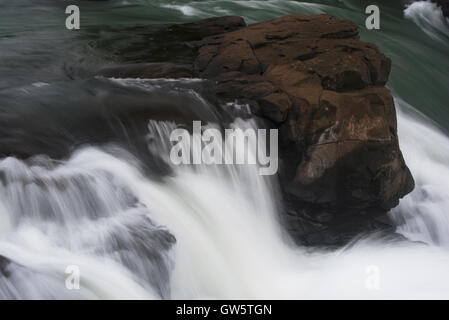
column 424, row 214
column 230, row 245
column 429, row 17
column 184, row 9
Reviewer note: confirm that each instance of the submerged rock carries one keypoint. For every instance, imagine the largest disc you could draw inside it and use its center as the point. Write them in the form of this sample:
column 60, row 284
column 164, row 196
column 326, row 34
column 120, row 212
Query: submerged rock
column 159, row 43
column 146, row 71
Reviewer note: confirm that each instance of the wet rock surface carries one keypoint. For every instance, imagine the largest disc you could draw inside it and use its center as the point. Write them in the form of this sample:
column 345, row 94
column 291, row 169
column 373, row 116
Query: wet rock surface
column 323, row 88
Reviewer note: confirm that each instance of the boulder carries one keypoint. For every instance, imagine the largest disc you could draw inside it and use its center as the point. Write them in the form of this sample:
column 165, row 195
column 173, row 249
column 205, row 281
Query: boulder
column 313, row 79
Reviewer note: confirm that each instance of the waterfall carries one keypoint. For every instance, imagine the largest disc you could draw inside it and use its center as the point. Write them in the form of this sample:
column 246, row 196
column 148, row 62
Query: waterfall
column 102, row 213
column 193, row 231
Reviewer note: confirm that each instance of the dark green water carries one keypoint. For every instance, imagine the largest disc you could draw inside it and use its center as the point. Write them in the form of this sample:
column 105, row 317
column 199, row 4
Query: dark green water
column 34, row 32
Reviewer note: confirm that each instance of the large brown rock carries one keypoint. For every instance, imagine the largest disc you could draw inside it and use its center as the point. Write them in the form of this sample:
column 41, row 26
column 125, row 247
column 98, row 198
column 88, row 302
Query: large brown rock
column 323, row 88
column 312, row 78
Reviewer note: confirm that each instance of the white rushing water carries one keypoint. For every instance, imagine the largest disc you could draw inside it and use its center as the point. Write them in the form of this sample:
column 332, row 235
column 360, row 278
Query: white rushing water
column 55, row 216
column 424, row 214
column 102, row 214
column 250, row 7
column 429, row 17
column 230, row 245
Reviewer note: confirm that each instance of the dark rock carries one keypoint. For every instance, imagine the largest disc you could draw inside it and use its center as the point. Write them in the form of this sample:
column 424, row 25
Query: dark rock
column 4, row 263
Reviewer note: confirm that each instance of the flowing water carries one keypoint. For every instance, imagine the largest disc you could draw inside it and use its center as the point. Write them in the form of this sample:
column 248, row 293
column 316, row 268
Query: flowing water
column 136, row 226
